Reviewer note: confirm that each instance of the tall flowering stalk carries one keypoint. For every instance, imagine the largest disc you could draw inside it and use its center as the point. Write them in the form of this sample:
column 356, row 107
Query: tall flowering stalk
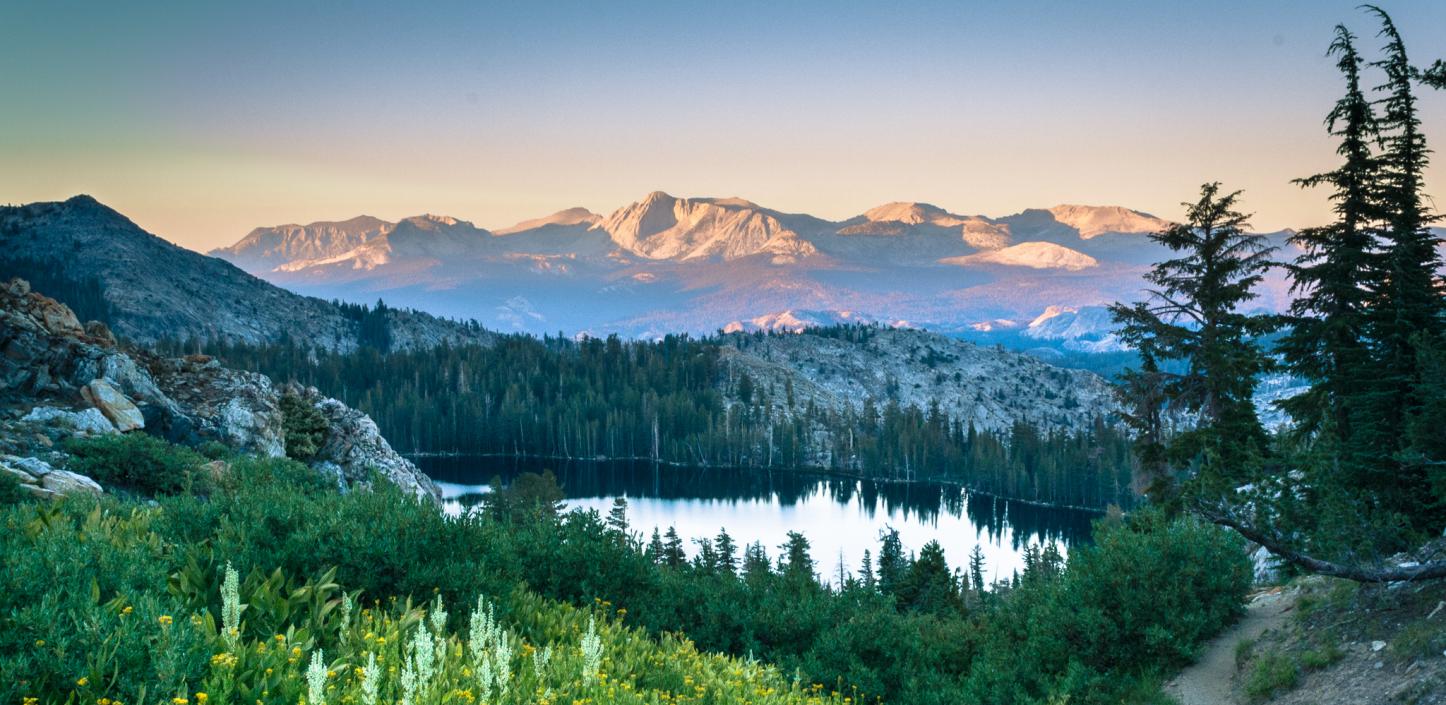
column 371, row 681
column 316, row 680
column 231, row 606
column 591, row 651
column 490, row 647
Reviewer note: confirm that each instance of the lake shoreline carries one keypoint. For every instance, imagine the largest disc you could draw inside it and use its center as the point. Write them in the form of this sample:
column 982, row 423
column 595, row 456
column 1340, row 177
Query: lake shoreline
column 830, row 474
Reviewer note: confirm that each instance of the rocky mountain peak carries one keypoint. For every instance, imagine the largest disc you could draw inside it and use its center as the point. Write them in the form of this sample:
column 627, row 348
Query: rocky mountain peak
column 1091, row 221
column 911, row 213
column 664, row 227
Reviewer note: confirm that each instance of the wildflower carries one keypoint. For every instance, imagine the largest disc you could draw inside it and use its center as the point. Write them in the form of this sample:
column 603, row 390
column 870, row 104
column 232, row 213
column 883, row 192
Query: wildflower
column 591, row 651
column 316, row 680
column 82, row 681
column 39, row 643
column 201, row 698
column 371, row 680
column 179, row 701
column 231, row 605
column 128, row 609
column 165, row 620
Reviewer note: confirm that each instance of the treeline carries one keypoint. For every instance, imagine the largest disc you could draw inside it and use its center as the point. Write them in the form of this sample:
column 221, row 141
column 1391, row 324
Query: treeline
column 674, row 401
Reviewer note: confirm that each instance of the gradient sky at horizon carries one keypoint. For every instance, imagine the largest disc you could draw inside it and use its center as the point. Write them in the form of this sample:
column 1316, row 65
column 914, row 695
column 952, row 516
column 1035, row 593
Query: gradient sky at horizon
column 203, row 120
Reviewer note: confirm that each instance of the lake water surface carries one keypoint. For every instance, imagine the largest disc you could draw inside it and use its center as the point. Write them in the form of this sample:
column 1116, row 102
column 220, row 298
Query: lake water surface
column 841, row 517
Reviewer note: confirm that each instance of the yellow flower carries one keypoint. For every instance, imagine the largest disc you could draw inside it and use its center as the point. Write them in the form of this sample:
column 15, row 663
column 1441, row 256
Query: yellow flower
column 201, row 698
column 127, row 610
column 165, row 620
column 81, row 681
column 39, row 643
column 179, row 701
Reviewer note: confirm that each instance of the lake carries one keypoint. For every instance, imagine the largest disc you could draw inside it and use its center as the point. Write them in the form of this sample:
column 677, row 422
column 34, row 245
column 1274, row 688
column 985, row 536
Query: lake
column 841, row 517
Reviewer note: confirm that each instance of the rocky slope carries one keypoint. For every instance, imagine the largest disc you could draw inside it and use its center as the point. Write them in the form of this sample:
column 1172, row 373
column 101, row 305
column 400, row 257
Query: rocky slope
column 156, row 290
column 59, row 378
column 988, row 387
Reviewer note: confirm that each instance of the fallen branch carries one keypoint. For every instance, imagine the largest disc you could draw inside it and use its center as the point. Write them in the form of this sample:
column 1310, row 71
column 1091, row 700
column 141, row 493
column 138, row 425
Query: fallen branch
column 1433, row 570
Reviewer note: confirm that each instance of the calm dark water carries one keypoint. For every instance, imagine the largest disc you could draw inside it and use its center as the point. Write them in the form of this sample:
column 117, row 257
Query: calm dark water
column 841, row 517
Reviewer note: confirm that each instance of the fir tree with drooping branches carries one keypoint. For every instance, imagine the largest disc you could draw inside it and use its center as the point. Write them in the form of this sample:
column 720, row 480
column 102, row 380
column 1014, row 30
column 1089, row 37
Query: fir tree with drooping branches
column 1195, row 314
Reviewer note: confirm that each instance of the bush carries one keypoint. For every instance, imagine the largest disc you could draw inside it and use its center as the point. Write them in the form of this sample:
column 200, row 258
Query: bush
column 138, row 462
column 303, row 427
column 10, row 490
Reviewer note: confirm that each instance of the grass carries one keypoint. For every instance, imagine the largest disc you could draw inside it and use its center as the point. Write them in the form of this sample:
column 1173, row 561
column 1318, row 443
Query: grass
column 1271, row 673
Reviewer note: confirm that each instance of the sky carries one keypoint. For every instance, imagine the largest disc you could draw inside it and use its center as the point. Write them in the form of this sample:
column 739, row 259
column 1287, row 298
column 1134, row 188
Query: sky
column 203, row 120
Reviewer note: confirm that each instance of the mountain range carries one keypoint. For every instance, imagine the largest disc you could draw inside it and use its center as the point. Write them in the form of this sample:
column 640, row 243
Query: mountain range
column 666, row 264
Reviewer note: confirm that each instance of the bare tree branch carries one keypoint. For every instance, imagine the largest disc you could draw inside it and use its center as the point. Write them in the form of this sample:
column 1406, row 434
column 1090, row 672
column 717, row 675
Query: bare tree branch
column 1432, row 570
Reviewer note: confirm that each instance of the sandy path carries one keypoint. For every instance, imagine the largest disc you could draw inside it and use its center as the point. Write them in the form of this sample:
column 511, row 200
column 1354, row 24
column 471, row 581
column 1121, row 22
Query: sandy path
column 1211, row 680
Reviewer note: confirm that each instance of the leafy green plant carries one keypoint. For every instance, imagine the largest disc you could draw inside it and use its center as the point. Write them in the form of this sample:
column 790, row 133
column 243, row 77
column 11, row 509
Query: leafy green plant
column 137, row 462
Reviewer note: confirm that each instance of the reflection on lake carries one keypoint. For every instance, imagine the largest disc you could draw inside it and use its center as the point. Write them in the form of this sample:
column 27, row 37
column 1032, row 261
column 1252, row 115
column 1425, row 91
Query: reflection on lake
column 841, row 517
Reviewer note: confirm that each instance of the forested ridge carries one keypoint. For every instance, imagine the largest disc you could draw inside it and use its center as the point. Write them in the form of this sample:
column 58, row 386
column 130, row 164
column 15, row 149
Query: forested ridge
column 674, row 401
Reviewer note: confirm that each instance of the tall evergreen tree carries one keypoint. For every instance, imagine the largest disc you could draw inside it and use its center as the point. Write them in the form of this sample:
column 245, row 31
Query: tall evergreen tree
column 1408, row 316
column 1336, row 277
column 1195, row 314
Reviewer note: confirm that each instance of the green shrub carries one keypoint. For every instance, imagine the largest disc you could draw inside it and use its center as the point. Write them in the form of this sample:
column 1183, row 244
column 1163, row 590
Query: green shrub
column 303, row 427
column 138, row 462
column 10, row 490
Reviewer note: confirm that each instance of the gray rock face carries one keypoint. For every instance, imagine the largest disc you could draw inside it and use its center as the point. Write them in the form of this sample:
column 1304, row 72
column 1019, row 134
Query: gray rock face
column 354, row 449
column 60, row 380
column 86, row 422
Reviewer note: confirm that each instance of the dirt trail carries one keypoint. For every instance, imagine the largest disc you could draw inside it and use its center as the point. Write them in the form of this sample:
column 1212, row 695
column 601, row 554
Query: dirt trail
column 1211, row 680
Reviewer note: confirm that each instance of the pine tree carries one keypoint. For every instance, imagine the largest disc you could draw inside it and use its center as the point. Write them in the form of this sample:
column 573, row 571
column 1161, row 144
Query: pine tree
column 1335, row 276
column 673, row 554
column 976, row 570
column 796, row 562
column 893, row 564
column 727, row 552
column 1195, row 315
column 929, row 586
column 1409, row 313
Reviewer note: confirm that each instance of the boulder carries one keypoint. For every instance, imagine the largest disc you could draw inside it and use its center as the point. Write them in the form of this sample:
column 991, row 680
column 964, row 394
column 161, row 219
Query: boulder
column 43, row 480
column 64, row 482
column 100, row 334
column 87, row 422
column 354, row 448
column 121, row 411
column 1267, row 567
column 58, row 319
